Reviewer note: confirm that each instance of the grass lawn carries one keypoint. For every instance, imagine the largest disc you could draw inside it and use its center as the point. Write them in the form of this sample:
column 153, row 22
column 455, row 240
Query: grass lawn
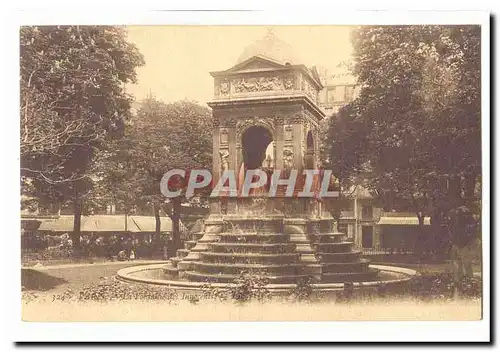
column 60, row 278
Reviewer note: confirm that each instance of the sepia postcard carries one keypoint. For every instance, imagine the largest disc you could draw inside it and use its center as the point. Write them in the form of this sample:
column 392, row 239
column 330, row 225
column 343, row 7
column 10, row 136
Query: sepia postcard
column 255, row 172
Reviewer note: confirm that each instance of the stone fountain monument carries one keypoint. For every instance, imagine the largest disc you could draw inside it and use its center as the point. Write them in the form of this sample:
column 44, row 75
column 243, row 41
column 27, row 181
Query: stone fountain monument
column 266, row 116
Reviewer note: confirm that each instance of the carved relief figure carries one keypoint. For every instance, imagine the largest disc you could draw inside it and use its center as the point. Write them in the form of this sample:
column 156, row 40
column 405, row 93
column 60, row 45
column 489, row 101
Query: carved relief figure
column 269, row 160
column 223, row 136
column 287, row 158
column 288, row 82
column 258, row 84
column 224, row 160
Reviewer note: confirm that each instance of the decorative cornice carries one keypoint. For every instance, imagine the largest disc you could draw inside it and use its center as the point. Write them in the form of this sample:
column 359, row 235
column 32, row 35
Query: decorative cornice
column 279, row 120
column 216, row 121
column 297, row 118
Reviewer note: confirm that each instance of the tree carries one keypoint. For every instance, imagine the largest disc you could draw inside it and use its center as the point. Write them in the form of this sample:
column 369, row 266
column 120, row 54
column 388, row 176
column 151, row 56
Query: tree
column 414, row 131
column 72, row 102
column 161, row 137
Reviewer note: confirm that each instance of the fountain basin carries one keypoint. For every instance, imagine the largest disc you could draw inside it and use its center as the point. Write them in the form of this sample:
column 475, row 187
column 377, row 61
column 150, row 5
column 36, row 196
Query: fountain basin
column 153, row 274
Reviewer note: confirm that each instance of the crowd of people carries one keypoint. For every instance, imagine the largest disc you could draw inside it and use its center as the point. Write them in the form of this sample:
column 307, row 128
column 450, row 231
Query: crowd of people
column 110, row 246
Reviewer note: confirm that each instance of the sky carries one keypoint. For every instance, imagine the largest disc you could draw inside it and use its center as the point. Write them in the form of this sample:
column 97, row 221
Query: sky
column 179, row 59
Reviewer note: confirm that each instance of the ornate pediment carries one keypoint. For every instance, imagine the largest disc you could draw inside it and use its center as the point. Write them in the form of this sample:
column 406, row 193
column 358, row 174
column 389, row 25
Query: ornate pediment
column 256, row 63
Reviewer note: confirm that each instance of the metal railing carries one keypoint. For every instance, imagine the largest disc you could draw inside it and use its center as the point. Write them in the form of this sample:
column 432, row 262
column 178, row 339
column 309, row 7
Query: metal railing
column 383, row 250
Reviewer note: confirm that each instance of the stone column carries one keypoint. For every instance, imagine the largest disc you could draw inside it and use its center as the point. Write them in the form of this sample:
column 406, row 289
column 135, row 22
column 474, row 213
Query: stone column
column 216, row 167
column 297, row 130
column 298, row 157
column 279, row 143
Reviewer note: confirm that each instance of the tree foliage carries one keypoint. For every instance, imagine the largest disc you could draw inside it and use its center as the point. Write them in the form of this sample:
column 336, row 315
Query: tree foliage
column 413, row 133
column 72, row 102
column 160, row 138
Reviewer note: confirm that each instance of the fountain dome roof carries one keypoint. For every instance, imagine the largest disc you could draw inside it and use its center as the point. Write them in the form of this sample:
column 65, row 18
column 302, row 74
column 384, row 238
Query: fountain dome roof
column 271, row 48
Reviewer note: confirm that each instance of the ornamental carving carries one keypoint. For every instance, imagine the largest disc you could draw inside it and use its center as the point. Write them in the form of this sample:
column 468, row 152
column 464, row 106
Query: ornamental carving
column 224, row 87
column 229, row 122
column 288, row 132
column 288, row 82
column 223, row 136
column 262, row 84
column 224, row 160
column 297, row 118
column 309, row 89
column 244, row 123
column 279, row 120
column 287, row 158
column 216, row 122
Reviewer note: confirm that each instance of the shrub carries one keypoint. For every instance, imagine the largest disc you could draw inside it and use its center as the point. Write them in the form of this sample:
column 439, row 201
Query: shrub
column 111, row 290
column 211, row 292
column 303, row 290
column 442, row 286
column 249, row 286
column 28, row 296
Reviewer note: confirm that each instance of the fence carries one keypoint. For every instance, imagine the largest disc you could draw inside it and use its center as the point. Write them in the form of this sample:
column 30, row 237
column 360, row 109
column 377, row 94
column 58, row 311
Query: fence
column 383, row 251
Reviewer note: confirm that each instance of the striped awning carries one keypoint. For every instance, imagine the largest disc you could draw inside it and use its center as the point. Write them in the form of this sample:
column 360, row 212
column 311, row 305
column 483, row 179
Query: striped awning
column 402, row 220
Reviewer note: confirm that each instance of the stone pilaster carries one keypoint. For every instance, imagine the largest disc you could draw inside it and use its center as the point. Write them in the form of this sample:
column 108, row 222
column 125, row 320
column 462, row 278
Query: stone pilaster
column 297, row 130
column 216, row 164
column 233, row 157
column 280, row 142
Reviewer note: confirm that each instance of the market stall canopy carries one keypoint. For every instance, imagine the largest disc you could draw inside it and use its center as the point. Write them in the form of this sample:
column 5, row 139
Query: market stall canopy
column 108, row 223
column 104, row 223
column 61, row 224
column 402, row 220
column 148, row 224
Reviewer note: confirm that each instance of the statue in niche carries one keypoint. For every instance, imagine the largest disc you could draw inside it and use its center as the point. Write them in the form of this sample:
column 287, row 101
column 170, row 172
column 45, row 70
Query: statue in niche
column 224, row 160
column 268, row 162
column 287, row 159
column 223, row 136
column 258, row 154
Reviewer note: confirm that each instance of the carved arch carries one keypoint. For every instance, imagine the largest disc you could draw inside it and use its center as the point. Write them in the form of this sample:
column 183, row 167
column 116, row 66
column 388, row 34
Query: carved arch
column 245, row 123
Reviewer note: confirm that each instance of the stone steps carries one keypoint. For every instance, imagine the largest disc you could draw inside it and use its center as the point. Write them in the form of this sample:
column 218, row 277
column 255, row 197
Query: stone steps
column 228, row 278
column 265, row 248
column 189, row 244
column 181, row 253
column 249, row 258
column 253, row 238
column 262, row 269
